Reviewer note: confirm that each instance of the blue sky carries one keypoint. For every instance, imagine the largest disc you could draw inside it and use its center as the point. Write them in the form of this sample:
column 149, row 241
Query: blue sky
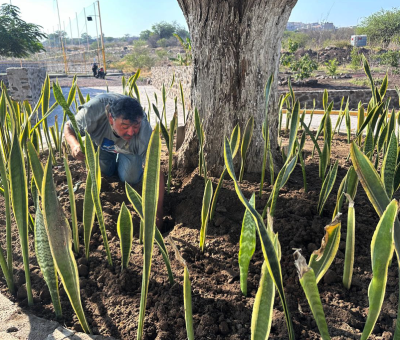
column 120, row 17
column 340, row 12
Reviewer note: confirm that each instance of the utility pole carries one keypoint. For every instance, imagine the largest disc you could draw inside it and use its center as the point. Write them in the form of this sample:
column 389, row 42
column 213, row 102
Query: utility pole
column 77, row 26
column 65, row 39
column 97, row 33
column 62, row 44
column 102, row 41
column 54, row 41
column 70, row 28
column 87, row 34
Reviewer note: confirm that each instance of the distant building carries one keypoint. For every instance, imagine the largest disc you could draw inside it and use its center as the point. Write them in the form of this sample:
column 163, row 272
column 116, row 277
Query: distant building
column 315, row 26
column 294, row 26
column 328, row 26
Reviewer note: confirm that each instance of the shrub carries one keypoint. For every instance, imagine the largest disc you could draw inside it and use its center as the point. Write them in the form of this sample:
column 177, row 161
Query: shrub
column 303, row 67
column 292, row 46
column 162, row 42
column 390, row 58
column 356, row 59
column 300, row 38
column 286, row 59
column 162, row 54
column 337, row 43
column 331, row 67
column 94, row 45
column 140, row 56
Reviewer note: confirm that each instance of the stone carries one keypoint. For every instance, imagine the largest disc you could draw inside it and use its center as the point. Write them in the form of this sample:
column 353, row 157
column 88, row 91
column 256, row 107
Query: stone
column 221, row 209
column 22, row 293
column 83, row 270
column 19, row 278
column 393, row 298
column 209, row 269
column 224, row 328
column 219, row 220
column 77, row 327
column 45, row 294
column 83, row 260
column 12, row 329
column 163, row 325
column 180, row 322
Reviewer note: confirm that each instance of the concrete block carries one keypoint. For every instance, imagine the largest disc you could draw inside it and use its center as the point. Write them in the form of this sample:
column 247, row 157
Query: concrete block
column 25, row 83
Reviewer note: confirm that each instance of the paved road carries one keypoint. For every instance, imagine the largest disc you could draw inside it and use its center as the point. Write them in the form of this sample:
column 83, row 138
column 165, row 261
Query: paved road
column 316, row 121
column 151, row 91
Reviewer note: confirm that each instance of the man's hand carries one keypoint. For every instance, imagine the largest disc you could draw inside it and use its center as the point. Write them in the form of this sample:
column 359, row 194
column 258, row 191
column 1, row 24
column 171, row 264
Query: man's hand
column 77, row 153
column 73, row 143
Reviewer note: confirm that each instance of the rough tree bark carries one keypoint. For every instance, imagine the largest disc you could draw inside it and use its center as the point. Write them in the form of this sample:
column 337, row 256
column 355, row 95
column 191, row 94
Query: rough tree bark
column 236, row 46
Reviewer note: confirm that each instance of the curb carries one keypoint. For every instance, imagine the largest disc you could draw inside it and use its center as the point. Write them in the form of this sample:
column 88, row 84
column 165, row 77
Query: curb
column 15, row 324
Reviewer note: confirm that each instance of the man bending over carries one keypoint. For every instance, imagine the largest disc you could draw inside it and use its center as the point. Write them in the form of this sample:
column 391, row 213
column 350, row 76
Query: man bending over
column 119, row 126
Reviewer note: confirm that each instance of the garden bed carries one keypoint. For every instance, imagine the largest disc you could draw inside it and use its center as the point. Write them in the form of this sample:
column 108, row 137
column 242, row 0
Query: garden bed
column 111, row 298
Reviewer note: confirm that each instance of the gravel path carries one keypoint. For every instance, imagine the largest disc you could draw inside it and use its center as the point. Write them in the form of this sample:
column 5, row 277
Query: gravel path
column 144, row 91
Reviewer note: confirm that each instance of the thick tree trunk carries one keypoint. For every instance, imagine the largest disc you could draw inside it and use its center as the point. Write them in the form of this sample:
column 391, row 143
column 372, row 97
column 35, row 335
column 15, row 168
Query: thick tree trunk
column 236, row 46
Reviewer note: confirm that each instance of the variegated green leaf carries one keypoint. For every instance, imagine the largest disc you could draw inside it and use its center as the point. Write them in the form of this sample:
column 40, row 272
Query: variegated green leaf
column 381, row 255
column 60, row 241
column 248, row 133
column 125, row 234
column 58, row 95
column 6, row 264
column 136, row 201
column 172, row 127
column 88, row 213
column 71, row 194
column 247, row 246
column 93, row 170
column 234, row 142
column 350, row 243
column 389, row 165
column 309, row 283
column 267, row 246
column 151, row 179
column 19, row 199
column 187, row 298
column 327, row 187
column 205, row 212
column 373, row 187
column 294, row 126
column 261, row 318
column 46, row 262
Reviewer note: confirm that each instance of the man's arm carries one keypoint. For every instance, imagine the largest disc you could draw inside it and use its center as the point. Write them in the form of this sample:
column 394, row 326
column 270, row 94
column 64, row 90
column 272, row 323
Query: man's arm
column 70, row 137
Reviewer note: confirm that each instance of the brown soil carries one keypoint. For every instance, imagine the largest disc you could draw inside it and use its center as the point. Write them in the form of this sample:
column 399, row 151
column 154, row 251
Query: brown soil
column 111, row 298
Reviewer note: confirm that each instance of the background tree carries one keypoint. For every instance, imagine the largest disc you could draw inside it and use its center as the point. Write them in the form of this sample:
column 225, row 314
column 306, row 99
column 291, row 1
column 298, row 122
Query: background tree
column 140, row 56
column 162, row 34
column 144, row 35
column 236, row 47
column 163, row 29
column 382, row 27
column 18, row 38
column 85, row 37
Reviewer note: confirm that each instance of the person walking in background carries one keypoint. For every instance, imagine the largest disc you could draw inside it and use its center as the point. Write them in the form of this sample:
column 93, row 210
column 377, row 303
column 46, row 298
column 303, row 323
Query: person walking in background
column 94, row 69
